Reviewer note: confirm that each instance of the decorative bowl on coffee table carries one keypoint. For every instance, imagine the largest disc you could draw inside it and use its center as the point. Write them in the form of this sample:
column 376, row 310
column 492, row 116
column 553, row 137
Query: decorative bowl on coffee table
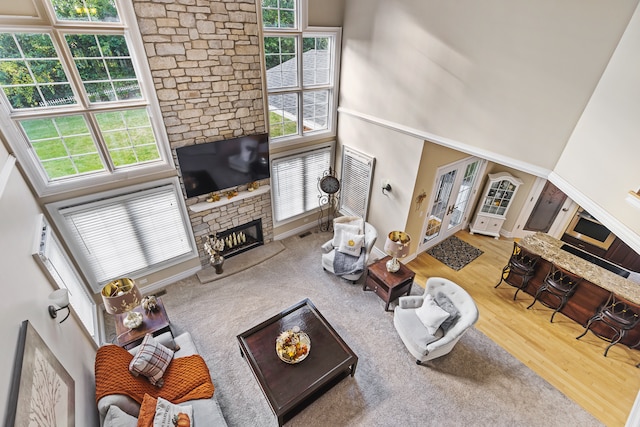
column 293, row 346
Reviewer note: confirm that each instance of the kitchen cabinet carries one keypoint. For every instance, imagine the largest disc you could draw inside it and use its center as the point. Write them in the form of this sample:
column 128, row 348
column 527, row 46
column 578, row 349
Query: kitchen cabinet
column 494, row 204
column 621, row 254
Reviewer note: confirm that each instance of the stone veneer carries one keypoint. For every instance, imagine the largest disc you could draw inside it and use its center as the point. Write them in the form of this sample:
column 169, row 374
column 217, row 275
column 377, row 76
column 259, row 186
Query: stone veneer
column 204, row 57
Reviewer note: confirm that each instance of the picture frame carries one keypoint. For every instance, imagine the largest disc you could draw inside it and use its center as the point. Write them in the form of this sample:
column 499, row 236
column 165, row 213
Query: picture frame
column 42, row 391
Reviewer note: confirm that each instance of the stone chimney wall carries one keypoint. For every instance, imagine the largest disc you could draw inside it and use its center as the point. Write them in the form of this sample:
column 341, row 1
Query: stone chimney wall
column 204, row 57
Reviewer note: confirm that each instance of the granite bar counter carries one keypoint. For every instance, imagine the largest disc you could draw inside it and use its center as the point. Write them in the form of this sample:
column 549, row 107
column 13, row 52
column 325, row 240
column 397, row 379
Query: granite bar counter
column 591, row 293
column 549, row 248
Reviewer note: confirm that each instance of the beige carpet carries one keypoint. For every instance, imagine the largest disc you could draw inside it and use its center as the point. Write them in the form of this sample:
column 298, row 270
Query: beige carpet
column 477, row 384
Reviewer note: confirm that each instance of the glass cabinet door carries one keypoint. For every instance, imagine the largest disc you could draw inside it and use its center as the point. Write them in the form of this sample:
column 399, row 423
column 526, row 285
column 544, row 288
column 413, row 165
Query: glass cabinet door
column 498, row 197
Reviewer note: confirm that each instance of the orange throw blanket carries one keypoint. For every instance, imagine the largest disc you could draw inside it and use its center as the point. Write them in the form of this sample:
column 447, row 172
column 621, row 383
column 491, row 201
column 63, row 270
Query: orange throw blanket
column 186, row 378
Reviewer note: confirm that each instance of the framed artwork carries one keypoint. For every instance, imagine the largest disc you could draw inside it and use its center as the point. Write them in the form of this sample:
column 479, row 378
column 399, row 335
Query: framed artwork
column 42, row 391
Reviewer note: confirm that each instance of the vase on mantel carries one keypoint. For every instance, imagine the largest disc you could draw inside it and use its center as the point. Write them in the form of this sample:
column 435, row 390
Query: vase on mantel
column 217, row 263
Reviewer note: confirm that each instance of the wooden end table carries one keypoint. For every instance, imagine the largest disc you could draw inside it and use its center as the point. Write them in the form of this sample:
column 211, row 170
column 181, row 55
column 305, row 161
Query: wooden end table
column 290, row 388
column 388, row 286
column 153, row 322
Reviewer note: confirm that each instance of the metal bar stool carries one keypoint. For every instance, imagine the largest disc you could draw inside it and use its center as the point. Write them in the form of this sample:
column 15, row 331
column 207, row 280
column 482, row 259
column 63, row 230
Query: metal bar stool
column 617, row 314
column 559, row 284
column 522, row 265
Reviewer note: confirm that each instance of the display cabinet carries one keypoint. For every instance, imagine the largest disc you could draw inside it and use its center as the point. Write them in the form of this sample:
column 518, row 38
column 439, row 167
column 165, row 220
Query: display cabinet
column 494, row 204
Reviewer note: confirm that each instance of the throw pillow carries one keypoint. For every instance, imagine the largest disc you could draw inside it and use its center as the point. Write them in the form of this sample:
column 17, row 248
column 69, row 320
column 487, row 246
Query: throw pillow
column 116, row 417
column 351, row 244
column 430, row 314
column 147, row 411
column 340, row 229
column 350, row 220
column 445, row 303
column 165, row 339
column 167, row 412
column 151, row 360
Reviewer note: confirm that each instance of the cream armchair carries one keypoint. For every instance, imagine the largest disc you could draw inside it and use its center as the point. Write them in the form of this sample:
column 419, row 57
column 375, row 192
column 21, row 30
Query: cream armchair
column 329, row 249
column 409, row 317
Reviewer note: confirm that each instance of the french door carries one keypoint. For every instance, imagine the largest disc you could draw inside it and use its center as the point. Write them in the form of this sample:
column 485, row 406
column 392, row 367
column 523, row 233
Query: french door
column 451, row 199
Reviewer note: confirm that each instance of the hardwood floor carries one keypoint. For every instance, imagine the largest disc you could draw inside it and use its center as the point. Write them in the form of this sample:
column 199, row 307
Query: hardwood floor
column 604, row 386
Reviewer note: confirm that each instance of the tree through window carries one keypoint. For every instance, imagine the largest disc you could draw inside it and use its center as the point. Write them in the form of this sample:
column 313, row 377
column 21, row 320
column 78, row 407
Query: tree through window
column 74, row 96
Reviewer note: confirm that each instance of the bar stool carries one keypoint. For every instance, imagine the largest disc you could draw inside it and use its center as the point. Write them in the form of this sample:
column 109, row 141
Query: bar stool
column 617, row 314
column 559, row 284
column 522, row 264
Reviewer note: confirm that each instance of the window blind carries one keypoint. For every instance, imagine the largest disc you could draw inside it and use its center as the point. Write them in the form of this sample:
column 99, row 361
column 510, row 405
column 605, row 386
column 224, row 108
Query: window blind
column 356, row 176
column 294, row 182
column 128, row 234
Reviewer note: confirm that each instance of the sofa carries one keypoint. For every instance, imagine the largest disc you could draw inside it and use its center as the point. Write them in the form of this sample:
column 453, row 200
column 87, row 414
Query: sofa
column 121, row 411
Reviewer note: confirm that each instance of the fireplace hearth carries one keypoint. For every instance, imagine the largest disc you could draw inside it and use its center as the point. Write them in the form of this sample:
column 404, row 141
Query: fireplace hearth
column 242, row 238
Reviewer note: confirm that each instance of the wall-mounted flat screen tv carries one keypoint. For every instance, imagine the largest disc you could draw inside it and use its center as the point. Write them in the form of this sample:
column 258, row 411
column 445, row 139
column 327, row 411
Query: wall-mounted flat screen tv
column 218, row 165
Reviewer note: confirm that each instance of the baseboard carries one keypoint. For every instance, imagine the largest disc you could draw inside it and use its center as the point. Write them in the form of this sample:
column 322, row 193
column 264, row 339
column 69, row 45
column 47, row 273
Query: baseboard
column 295, row 231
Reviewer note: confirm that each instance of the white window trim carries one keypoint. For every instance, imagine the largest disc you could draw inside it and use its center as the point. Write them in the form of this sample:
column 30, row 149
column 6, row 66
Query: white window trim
column 331, row 146
column 26, row 158
column 304, row 30
column 55, row 208
column 44, row 233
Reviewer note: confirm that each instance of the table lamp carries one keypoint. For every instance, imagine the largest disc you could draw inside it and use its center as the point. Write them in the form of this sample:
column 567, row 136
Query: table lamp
column 396, row 246
column 123, row 296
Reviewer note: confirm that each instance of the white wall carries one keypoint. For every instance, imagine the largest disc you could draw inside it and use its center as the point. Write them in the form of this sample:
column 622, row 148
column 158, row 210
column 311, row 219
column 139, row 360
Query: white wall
column 24, row 297
column 326, row 13
column 507, row 77
column 397, row 160
column 601, row 157
column 509, row 81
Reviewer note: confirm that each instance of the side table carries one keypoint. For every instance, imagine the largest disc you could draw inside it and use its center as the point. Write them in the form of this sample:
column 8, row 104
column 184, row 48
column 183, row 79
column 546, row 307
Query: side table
column 388, row 286
column 153, row 322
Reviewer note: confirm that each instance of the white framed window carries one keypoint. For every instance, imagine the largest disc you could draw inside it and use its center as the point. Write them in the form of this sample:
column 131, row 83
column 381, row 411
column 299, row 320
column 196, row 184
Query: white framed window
column 53, row 259
column 115, row 234
column 77, row 100
column 356, row 176
column 294, row 181
column 302, row 67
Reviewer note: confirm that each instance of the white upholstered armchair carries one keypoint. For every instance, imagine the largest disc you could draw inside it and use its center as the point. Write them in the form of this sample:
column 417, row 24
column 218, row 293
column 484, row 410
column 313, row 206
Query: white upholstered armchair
column 427, row 323
column 342, row 227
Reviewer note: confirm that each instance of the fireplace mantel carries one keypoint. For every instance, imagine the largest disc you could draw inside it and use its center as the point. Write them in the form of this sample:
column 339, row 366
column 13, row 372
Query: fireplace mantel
column 203, row 206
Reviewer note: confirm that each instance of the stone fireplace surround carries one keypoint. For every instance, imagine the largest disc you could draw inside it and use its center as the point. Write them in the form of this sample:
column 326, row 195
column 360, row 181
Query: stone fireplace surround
column 228, row 214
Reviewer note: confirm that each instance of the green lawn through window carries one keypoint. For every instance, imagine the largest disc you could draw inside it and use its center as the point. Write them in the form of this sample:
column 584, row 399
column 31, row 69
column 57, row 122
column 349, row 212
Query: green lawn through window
column 65, row 146
column 281, row 126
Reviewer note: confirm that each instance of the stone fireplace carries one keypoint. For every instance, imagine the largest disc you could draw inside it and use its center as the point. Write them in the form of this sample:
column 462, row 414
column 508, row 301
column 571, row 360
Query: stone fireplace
column 242, row 238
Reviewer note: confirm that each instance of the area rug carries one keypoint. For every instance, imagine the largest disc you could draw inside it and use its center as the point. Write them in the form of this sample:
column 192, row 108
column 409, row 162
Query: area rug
column 477, row 384
column 454, row 253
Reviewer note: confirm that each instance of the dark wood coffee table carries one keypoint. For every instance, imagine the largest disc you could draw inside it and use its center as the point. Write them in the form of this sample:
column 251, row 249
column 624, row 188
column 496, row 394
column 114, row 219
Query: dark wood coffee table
column 290, row 388
column 154, row 322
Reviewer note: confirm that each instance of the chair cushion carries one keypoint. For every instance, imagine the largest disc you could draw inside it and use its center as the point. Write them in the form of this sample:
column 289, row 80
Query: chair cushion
column 445, row 303
column 351, row 244
column 339, row 229
column 430, row 314
column 412, row 328
column 151, row 360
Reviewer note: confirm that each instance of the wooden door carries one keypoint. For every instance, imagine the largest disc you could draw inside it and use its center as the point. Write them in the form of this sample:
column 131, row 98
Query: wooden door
column 546, row 209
